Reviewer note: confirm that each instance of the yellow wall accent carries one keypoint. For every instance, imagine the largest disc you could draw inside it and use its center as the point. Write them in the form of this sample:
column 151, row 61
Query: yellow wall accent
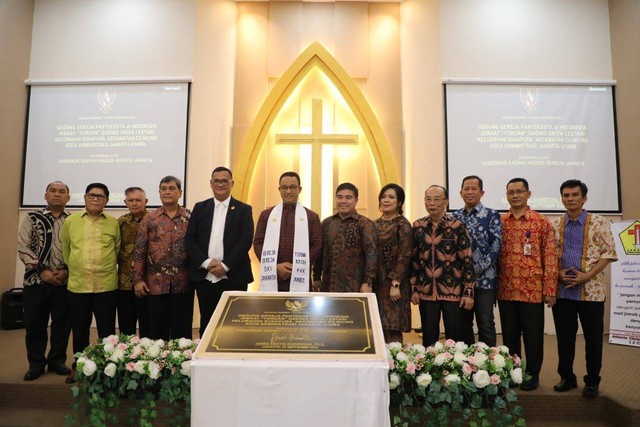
column 314, row 56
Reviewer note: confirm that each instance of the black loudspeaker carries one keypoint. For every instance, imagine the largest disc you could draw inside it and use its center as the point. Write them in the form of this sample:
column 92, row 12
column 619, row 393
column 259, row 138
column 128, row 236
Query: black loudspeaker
column 12, row 309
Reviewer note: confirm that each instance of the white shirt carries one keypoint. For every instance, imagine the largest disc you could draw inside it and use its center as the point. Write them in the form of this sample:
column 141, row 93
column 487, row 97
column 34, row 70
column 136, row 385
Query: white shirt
column 216, row 244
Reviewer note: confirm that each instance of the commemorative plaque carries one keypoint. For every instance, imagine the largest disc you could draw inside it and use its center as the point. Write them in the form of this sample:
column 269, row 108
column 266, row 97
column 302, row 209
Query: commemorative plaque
column 301, row 324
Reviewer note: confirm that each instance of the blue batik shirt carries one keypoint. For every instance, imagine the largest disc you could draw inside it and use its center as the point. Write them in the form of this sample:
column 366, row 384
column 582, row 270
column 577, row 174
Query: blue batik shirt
column 572, row 252
column 485, row 229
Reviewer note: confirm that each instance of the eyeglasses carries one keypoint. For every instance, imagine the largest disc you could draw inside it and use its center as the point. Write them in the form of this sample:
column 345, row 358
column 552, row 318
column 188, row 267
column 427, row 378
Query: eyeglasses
column 169, row 188
column 286, row 188
column 92, row 196
column 433, row 199
column 221, row 182
column 516, row 192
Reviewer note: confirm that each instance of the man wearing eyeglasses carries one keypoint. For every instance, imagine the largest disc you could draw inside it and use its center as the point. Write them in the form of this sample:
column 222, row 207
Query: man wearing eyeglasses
column 527, row 278
column 442, row 276
column 288, row 240
column 219, row 238
column 90, row 246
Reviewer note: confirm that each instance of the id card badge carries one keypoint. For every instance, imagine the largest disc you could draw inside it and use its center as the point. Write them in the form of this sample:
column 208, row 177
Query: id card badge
column 526, row 249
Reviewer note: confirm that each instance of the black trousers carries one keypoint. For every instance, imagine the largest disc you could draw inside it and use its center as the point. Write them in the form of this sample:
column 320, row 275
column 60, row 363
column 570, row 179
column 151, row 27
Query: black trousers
column 209, row 295
column 40, row 302
column 83, row 306
column 565, row 316
column 484, row 300
column 430, row 319
column 526, row 320
column 132, row 310
column 170, row 316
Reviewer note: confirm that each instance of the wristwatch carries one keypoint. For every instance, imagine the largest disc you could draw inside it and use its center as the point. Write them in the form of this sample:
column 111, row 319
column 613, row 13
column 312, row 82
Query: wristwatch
column 395, row 285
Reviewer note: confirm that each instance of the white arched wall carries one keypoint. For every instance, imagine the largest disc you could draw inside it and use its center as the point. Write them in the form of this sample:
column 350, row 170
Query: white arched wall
column 76, row 40
column 545, row 39
column 497, row 39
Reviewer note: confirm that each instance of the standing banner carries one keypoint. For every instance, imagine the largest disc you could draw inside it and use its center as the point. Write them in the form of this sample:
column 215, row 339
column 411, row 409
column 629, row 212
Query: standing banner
column 625, row 285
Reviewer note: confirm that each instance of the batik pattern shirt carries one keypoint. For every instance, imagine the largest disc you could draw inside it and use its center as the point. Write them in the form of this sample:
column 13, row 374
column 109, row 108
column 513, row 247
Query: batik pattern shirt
column 523, row 277
column 39, row 244
column 597, row 243
column 349, row 253
column 442, row 263
column 129, row 226
column 90, row 246
column 287, row 237
column 160, row 255
column 395, row 247
column 485, row 229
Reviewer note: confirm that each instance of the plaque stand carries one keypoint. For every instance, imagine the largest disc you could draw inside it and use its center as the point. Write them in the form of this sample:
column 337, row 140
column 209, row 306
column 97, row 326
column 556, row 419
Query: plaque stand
column 290, row 359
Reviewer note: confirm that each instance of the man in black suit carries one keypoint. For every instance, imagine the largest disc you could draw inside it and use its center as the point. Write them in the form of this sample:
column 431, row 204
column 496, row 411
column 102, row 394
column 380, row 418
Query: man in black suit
column 219, row 238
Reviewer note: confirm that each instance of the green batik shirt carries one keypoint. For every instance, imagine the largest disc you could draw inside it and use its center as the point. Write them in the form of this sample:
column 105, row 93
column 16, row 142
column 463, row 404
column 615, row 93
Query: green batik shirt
column 90, row 247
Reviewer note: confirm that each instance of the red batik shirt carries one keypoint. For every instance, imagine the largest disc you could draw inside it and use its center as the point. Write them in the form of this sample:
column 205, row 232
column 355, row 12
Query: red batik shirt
column 521, row 277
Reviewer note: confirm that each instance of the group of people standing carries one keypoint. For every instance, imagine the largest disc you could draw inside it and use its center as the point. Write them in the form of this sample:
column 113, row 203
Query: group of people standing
column 464, row 262
column 144, row 266
column 456, row 266
column 148, row 265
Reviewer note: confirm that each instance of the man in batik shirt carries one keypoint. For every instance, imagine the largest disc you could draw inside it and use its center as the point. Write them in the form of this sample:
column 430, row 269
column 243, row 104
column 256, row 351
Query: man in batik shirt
column 160, row 268
column 349, row 247
column 527, row 277
column 290, row 216
column 485, row 229
column 45, row 284
column 585, row 247
column 131, row 310
column 442, row 277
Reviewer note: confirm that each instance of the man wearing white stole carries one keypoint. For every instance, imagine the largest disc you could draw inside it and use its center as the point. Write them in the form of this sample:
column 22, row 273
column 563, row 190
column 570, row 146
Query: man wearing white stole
column 287, row 241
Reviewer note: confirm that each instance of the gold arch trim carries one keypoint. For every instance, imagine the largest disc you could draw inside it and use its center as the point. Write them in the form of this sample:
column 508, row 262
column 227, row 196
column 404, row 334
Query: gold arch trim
column 314, row 56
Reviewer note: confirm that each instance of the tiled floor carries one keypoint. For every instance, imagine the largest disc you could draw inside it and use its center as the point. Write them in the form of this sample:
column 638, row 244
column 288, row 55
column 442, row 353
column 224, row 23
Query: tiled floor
column 620, row 385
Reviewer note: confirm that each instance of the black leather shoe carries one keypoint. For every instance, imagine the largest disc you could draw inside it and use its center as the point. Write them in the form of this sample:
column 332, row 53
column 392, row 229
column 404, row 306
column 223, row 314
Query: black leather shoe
column 33, row 374
column 71, row 378
column 565, row 385
column 590, row 391
column 529, row 385
column 60, row 369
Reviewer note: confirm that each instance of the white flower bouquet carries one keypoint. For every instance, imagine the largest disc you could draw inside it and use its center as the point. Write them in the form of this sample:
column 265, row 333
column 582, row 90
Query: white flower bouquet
column 453, row 383
column 142, row 370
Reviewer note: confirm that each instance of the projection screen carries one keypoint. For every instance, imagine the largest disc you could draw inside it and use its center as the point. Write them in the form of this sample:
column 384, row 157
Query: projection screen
column 123, row 135
column 545, row 133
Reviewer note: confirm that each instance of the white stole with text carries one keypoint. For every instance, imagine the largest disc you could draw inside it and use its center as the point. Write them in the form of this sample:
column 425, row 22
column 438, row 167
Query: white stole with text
column 300, row 273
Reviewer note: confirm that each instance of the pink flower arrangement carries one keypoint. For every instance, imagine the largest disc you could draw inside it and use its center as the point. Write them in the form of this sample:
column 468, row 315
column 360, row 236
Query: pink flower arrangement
column 479, row 372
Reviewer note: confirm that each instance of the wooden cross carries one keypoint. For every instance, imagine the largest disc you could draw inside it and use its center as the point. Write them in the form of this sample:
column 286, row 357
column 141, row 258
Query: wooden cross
column 316, row 138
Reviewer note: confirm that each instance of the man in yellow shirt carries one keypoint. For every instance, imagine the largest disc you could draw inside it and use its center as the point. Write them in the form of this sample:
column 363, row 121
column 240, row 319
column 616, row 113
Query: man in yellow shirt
column 90, row 245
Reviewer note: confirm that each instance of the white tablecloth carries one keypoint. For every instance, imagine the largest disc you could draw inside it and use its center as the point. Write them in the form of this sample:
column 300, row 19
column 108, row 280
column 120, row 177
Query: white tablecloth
column 284, row 393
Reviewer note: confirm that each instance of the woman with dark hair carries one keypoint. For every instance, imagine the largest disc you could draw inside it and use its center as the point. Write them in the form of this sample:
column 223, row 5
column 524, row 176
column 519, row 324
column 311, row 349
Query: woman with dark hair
column 395, row 244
